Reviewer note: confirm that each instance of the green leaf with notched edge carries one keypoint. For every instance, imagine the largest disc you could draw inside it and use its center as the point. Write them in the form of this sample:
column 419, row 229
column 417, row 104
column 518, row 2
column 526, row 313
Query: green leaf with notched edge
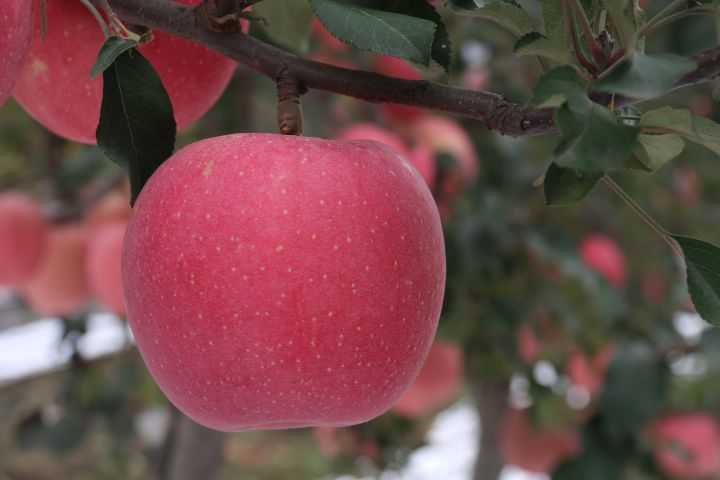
column 385, row 33
column 563, row 185
column 702, row 263
column 505, row 13
column 592, row 139
column 560, row 85
column 535, row 43
column 287, row 22
column 653, row 151
column 137, row 127
column 681, row 122
column 646, row 76
column 112, row 48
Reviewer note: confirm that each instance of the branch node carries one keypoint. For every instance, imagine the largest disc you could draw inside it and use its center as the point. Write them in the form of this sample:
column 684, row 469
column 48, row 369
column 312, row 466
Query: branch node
column 289, row 111
column 219, row 16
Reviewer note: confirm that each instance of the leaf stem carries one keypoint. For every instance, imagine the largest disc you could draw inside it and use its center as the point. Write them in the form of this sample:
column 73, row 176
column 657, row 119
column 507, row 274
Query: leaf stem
column 97, row 16
column 654, row 225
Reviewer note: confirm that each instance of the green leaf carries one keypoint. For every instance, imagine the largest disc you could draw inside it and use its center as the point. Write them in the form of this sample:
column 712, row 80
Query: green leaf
column 382, row 32
column 681, row 122
column 287, row 22
column 112, row 48
column 646, row 76
column 505, row 13
column 635, row 389
column 442, row 46
column 535, row 43
column 702, row 262
column 592, row 139
column 564, row 186
column 137, row 127
column 560, row 85
column 653, row 151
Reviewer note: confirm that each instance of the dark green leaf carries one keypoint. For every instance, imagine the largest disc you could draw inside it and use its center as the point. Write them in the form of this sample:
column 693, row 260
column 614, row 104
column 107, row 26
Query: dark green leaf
column 702, row 262
column 635, row 389
column 536, row 44
column 560, row 85
column 646, row 76
column 137, row 127
column 592, row 139
column 503, row 12
column 382, row 32
column 287, row 22
column 564, row 186
column 110, row 50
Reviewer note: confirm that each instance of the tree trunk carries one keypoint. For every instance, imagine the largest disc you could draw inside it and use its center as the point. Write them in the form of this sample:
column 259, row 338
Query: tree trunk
column 491, row 398
column 191, row 451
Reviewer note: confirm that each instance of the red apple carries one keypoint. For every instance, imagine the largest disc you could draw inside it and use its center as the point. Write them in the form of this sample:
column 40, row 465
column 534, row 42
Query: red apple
column 590, row 372
column 398, row 68
column 16, row 19
column 603, row 255
column 437, row 384
column 687, row 445
column 420, row 155
column 23, row 234
column 530, row 348
column 103, row 266
column 532, row 449
column 279, row 282
column 328, row 43
column 55, row 86
column 59, row 286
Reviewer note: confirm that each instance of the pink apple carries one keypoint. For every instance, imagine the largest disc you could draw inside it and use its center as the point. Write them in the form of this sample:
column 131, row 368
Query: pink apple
column 281, row 282
column 476, row 78
column 103, row 266
column 23, row 234
column 602, row 254
column 55, row 86
column 16, row 17
column 59, row 287
column 687, row 445
column 398, row 68
column 590, row 372
column 530, row 348
column 424, row 160
column 112, row 208
column 533, row 449
column 438, row 383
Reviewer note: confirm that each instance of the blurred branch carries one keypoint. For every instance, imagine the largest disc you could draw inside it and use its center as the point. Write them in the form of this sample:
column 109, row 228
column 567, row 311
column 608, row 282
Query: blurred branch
column 492, row 109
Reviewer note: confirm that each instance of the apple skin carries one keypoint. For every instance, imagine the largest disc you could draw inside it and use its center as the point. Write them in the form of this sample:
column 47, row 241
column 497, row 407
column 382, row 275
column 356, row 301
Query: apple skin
column 602, row 254
column 59, row 287
column 438, row 383
column 687, row 445
column 103, row 266
column 16, row 21
column 398, row 68
column 55, row 87
column 283, row 282
column 589, row 372
column 23, row 235
column 420, row 156
column 535, row 450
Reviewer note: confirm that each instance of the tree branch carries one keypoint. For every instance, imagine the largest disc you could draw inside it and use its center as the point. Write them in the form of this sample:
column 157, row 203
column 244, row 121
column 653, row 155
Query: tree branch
column 492, row 109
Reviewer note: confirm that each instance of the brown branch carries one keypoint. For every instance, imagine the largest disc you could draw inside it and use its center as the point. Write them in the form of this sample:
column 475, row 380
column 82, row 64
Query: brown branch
column 490, row 108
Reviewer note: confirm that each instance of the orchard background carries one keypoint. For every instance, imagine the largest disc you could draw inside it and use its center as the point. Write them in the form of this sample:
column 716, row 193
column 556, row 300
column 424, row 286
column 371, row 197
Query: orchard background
column 567, row 321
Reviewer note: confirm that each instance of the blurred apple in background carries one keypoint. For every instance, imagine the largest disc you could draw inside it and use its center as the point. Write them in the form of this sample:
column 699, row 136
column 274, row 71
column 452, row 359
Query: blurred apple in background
column 589, row 372
column 438, row 383
column 687, row 445
column 59, row 286
column 16, row 22
column 23, row 237
column 103, row 266
column 111, row 208
column 397, row 68
column 602, row 254
column 533, row 449
column 55, row 86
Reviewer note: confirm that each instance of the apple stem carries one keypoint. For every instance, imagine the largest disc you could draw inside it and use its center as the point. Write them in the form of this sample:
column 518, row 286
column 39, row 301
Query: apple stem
column 639, row 211
column 289, row 111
